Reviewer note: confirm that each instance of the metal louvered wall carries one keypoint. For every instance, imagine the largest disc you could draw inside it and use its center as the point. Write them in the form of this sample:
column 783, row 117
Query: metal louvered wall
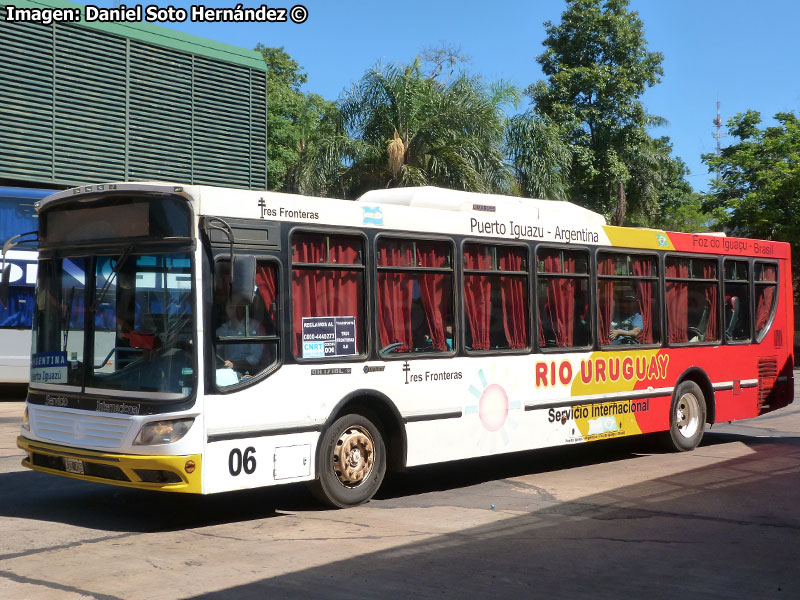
column 81, row 106
column 160, row 111
column 26, row 104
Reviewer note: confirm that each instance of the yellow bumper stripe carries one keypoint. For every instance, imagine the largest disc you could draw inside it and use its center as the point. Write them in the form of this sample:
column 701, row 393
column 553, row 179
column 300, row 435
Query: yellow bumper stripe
column 128, row 470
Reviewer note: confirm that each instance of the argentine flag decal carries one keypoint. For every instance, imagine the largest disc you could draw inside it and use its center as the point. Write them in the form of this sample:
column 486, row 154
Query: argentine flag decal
column 372, row 215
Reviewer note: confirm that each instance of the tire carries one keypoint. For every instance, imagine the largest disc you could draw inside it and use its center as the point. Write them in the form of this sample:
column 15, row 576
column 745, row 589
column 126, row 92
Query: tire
column 687, row 418
column 354, row 441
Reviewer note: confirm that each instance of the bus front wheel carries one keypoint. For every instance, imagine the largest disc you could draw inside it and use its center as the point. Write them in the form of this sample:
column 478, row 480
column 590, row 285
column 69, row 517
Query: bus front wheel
column 352, row 461
column 687, row 418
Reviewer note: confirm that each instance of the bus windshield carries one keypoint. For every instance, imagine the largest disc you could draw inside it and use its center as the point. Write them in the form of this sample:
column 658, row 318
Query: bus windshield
column 120, row 322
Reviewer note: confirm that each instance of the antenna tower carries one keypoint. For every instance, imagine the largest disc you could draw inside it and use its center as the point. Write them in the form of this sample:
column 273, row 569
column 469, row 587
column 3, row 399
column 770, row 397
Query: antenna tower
column 718, row 134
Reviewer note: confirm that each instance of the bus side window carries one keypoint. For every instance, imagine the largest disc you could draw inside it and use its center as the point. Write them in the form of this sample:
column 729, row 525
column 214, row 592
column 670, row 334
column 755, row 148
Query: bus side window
column 628, row 304
column 495, row 297
column 415, row 296
column 765, row 279
column 692, row 305
column 247, row 336
column 563, row 293
column 327, row 295
column 736, row 306
column 18, row 314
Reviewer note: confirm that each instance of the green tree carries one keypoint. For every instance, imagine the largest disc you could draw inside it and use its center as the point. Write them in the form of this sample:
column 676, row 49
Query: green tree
column 321, row 170
column 687, row 215
column 539, row 158
column 284, row 78
column 662, row 196
column 293, row 119
column 400, row 128
column 312, row 119
column 758, row 190
column 598, row 67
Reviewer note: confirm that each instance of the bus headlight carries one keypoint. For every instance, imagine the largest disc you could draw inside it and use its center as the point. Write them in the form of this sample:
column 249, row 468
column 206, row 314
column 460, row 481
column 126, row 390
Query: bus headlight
column 162, row 432
column 26, row 421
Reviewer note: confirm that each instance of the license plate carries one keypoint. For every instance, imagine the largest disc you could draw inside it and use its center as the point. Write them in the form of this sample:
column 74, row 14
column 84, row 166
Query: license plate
column 73, row 465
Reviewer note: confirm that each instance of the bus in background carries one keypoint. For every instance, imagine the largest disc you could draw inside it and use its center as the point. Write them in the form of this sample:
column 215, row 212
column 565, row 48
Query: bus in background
column 199, row 339
column 18, row 216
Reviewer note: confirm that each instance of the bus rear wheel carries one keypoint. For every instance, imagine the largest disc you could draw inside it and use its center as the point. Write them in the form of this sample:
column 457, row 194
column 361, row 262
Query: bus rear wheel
column 352, row 461
column 687, row 418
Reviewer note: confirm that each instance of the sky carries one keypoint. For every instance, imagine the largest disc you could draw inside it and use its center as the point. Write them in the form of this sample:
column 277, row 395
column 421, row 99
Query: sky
column 742, row 53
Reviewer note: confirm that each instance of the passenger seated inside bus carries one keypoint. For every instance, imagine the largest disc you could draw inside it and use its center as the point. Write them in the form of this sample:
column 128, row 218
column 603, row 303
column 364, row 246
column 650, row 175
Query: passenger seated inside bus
column 448, row 332
column 246, row 335
column 239, row 360
column 421, row 329
column 698, row 313
column 628, row 322
column 582, row 333
column 736, row 327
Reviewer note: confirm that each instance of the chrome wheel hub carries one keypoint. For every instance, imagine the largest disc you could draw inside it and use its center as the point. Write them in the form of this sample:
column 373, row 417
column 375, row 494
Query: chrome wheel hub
column 687, row 415
column 353, row 456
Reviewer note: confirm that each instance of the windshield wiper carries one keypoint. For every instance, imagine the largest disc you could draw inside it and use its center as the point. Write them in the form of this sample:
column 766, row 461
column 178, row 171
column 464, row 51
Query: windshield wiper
column 120, row 262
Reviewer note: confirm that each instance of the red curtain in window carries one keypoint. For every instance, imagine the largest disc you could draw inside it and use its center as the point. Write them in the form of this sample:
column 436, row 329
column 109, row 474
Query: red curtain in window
column 644, row 290
column 766, row 294
column 561, row 298
column 710, row 272
column 434, row 291
column 542, row 314
column 344, row 251
column 768, row 273
column 677, row 303
column 345, row 299
column 478, row 296
column 325, row 292
column 605, row 299
column 394, row 296
column 309, row 249
column 267, row 288
column 514, row 294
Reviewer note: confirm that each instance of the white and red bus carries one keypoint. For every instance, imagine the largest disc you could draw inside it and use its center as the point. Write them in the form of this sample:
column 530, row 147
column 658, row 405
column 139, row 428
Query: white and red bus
column 199, row 339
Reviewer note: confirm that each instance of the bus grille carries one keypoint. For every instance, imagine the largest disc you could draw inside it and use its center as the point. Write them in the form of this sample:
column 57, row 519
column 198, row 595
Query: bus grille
column 101, row 471
column 82, row 429
column 767, row 377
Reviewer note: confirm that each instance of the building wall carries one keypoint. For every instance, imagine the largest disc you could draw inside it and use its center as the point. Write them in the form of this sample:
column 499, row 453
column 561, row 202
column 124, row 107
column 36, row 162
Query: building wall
column 85, row 104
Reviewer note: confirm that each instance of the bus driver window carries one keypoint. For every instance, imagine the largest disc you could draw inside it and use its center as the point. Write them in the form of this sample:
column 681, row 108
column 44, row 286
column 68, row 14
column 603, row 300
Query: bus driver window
column 246, row 340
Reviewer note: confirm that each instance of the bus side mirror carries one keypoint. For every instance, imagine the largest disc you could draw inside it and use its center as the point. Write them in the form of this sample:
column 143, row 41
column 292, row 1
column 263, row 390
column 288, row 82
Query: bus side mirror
column 4, row 283
column 243, row 280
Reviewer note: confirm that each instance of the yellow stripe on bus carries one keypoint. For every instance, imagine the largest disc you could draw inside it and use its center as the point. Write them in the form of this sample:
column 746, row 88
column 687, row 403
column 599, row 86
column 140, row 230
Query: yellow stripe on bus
column 650, row 239
column 610, row 372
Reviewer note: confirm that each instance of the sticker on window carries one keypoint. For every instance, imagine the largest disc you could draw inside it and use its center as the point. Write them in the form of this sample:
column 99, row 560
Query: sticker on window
column 326, row 337
column 49, row 367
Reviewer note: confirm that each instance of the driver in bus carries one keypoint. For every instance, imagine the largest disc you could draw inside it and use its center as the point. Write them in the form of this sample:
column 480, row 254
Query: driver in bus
column 242, row 358
column 629, row 326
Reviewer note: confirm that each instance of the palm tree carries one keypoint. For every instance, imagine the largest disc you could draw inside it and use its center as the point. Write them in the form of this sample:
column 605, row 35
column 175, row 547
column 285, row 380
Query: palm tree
column 398, row 128
column 539, row 157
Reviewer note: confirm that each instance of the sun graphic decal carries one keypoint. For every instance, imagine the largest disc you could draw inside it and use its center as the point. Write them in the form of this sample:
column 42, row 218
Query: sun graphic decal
column 493, row 408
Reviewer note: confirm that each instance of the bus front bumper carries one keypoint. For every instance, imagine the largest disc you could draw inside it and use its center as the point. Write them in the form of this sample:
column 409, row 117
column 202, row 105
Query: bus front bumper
column 162, row 473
